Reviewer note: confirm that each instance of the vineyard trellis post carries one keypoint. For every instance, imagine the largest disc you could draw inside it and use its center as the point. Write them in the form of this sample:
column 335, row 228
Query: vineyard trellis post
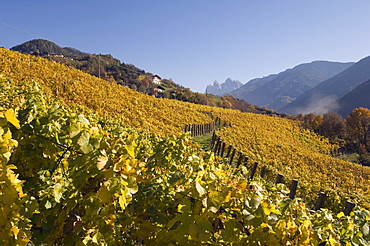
column 263, row 171
column 279, row 178
column 348, row 208
column 219, row 148
column 232, row 156
column 320, row 201
column 240, row 159
column 222, row 149
column 229, row 150
column 293, row 189
column 254, row 169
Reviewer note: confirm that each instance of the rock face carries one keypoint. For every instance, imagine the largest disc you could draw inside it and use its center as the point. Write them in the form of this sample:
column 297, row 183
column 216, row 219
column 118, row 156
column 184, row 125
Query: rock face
column 222, row 89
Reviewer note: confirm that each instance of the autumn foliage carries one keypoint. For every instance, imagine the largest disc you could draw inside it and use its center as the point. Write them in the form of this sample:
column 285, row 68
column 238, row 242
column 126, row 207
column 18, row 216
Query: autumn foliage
column 88, row 162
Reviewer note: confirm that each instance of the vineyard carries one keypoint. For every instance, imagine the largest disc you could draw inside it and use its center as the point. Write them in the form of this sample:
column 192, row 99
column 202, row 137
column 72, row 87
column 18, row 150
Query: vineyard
column 87, row 162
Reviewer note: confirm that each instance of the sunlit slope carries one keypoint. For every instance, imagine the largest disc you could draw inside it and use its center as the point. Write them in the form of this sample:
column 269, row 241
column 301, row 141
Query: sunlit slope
column 298, row 154
column 71, row 180
column 279, row 143
column 162, row 116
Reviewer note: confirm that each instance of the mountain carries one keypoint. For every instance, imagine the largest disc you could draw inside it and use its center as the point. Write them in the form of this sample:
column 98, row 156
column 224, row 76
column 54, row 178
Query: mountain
column 321, row 98
column 224, row 88
column 45, row 47
column 277, row 90
column 358, row 97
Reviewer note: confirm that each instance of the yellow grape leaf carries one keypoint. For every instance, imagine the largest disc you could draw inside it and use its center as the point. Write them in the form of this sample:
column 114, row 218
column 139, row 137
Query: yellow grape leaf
column 199, row 188
column 228, row 197
column 265, row 207
column 102, row 161
column 122, row 201
column 215, row 198
column 15, row 231
column 340, row 215
column 179, row 208
column 12, row 118
column 47, row 205
column 130, row 150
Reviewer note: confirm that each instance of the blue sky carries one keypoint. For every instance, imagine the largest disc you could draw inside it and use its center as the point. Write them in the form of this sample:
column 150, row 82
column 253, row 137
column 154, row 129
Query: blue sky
column 195, row 42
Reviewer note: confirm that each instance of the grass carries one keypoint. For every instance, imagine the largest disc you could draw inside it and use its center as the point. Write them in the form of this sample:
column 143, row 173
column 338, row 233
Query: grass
column 204, row 141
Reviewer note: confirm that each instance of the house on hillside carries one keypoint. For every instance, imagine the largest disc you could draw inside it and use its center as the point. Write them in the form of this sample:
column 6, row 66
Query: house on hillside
column 157, row 80
column 172, row 93
column 157, row 91
column 55, row 55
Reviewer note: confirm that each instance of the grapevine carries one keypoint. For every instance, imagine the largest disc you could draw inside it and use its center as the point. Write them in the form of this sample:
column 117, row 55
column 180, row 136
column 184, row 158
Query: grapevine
column 76, row 175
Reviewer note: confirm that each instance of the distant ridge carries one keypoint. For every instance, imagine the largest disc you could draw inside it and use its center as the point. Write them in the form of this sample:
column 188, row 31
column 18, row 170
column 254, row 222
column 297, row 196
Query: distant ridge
column 358, row 97
column 321, row 98
column 277, row 90
column 42, row 47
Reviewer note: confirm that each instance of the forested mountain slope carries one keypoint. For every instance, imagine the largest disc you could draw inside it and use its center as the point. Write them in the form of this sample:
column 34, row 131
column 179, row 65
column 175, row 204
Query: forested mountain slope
column 320, row 98
column 275, row 91
column 358, row 97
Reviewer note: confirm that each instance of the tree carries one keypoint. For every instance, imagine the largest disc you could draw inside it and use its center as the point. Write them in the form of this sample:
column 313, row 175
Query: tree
column 332, row 126
column 358, row 127
column 312, row 121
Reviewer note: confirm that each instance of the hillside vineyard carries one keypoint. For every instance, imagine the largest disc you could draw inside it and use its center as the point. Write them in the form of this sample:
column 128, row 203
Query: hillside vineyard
column 87, row 162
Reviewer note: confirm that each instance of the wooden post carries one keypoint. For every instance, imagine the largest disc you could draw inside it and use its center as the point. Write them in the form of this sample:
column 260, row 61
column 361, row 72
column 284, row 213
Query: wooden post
column 217, row 145
column 246, row 158
column 222, row 149
column 348, row 208
column 293, row 189
column 320, row 201
column 263, row 171
column 229, row 150
column 219, row 148
column 213, row 140
column 232, row 156
column 240, row 159
column 254, row 169
column 279, row 178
